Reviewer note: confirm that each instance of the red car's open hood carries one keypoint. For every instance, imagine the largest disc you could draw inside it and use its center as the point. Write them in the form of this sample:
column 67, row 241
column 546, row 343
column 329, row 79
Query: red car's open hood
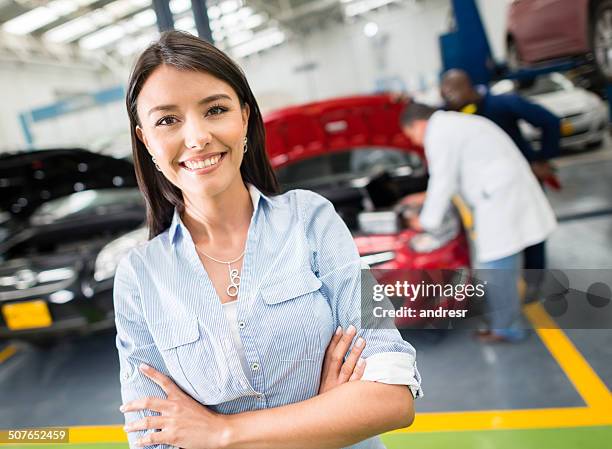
column 305, row 131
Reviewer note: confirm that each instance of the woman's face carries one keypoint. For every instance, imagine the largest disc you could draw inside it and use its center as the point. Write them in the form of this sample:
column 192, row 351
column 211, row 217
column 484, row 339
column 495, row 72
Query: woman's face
column 194, row 126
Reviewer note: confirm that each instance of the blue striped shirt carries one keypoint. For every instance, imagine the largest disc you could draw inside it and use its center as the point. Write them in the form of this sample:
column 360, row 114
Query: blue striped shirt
column 300, row 279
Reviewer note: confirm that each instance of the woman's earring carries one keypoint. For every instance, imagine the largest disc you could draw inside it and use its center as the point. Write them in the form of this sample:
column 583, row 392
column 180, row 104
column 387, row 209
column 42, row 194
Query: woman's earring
column 245, row 144
column 155, row 162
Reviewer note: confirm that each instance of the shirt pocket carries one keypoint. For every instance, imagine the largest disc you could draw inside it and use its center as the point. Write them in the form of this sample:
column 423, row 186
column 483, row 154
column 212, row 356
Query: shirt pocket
column 189, row 357
column 296, row 313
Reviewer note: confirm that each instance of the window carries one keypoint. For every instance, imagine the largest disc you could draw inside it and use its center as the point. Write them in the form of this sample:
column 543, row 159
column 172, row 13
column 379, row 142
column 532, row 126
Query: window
column 345, row 165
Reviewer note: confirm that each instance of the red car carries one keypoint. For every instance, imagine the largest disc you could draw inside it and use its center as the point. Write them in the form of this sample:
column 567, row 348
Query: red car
column 543, row 30
column 352, row 151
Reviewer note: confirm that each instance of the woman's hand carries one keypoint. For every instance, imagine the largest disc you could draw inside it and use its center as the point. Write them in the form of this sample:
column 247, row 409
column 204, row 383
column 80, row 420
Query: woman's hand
column 183, row 421
column 334, row 371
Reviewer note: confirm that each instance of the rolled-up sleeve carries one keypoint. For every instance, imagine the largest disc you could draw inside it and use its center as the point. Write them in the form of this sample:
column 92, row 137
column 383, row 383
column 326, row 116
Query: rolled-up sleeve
column 389, row 359
column 135, row 346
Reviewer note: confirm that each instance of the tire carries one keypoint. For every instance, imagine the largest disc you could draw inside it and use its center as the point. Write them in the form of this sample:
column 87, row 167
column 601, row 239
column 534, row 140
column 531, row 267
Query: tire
column 601, row 38
column 513, row 58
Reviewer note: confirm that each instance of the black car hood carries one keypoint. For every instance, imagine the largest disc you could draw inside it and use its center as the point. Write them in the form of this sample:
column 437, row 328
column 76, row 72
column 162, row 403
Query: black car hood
column 88, row 226
column 28, row 179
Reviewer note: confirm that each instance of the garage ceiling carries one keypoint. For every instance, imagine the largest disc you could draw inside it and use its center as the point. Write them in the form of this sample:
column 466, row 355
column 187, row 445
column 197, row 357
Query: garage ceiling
column 120, row 28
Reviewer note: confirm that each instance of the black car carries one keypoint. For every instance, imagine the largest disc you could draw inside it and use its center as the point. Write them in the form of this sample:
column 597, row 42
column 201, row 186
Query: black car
column 57, row 260
column 56, row 274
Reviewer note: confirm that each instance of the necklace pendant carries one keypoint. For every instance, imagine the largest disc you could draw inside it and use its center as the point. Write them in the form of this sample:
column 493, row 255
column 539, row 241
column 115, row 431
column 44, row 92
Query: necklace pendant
column 232, row 289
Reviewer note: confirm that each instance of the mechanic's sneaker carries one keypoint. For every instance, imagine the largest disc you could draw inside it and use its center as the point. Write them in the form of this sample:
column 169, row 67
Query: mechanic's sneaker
column 501, row 335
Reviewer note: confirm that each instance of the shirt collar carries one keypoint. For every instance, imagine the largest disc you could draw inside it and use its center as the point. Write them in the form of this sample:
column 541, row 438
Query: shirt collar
column 177, row 223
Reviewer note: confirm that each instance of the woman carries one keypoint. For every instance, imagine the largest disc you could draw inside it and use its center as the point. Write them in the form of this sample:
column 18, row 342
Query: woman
column 239, row 289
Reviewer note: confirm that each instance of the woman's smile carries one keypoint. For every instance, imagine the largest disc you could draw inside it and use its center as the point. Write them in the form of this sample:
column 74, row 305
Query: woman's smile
column 205, row 164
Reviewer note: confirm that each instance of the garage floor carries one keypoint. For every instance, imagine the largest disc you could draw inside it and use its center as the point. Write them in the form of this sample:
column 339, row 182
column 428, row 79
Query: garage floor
column 551, row 391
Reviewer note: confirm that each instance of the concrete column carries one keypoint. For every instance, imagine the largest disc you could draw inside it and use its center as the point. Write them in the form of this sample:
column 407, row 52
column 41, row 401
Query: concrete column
column 200, row 14
column 165, row 20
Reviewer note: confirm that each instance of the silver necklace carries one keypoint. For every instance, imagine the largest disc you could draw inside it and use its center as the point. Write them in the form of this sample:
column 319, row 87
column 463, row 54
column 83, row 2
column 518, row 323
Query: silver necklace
column 232, row 288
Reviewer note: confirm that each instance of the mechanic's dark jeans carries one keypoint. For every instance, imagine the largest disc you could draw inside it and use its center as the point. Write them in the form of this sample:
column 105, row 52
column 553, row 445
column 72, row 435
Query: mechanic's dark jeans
column 534, row 263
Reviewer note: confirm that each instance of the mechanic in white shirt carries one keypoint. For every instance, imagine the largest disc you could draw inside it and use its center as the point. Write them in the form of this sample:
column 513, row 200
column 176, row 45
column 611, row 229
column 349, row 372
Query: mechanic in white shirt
column 472, row 157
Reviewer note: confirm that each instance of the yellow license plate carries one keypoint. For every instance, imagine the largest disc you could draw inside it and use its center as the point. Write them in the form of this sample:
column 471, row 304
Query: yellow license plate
column 567, row 129
column 27, row 315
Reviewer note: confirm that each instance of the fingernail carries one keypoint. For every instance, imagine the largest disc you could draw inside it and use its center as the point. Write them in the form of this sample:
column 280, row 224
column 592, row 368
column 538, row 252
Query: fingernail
column 360, row 362
column 122, row 409
column 338, row 330
column 359, row 343
column 351, row 329
column 143, row 367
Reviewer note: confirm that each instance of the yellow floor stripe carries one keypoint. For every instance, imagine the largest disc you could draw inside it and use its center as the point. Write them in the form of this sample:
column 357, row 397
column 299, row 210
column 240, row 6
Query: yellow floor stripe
column 430, row 422
column 7, row 353
column 508, row 420
column 588, row 384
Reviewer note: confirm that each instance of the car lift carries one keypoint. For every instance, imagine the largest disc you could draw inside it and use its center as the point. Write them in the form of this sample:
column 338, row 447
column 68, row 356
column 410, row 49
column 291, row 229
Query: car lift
column 467, row 47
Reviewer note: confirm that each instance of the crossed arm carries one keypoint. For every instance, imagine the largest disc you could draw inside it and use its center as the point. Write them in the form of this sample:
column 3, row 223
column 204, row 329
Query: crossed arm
column 346, row 411
column 339, row 417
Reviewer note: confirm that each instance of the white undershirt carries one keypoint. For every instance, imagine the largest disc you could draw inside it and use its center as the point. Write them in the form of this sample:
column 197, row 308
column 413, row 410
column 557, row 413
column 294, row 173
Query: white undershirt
column 231, row 314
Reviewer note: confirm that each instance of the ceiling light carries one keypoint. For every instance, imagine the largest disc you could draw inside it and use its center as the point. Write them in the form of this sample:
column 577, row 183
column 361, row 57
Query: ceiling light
column 229, row 6
column 70, row 30
column 179, row 6
column 245, row 12
column 31, row 20
column 240, row 37
column 254, row 21
column 62, row 7
column 185, row 23
column 102, row 37
column 131, row 46
column 121, row 8
column 38, row 17
column 144, row 19
column 229, row 20
column 214, row 12
column 370, row 29
column 262, row 41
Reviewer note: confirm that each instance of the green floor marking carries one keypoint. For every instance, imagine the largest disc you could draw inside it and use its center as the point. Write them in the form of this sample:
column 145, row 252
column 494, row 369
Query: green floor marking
column 566, row 438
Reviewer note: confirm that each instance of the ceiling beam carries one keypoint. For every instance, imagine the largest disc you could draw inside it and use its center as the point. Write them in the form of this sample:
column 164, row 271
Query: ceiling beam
column 119, row 19
column 265, row 6
column 11, row 9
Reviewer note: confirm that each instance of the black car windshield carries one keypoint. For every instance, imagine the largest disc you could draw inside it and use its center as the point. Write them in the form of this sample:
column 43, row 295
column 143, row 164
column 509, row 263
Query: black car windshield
column 85, row 202
column 345, row 165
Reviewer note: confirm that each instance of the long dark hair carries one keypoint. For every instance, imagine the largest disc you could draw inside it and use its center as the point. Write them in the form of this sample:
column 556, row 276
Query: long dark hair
column 184, row 51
